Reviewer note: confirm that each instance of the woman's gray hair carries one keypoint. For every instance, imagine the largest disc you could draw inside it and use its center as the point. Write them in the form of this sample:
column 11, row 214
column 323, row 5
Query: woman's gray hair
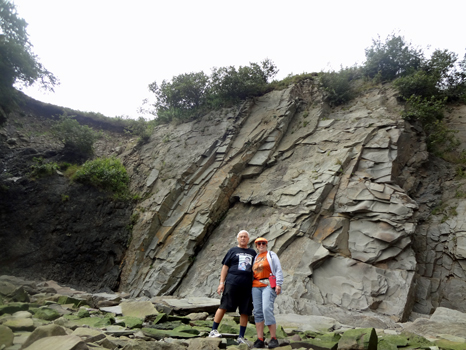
column 240, row 232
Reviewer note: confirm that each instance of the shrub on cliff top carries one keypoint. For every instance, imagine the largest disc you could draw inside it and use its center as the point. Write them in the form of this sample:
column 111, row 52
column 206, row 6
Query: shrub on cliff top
column 338, row 85
column 74, row 136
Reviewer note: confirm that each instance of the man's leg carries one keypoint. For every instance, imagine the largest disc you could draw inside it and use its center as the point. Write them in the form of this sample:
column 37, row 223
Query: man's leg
column 217, row 319
column 219, row 315
column 243, row 320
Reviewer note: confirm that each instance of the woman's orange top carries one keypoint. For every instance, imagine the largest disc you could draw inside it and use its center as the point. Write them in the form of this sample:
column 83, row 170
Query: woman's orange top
column 261, row 270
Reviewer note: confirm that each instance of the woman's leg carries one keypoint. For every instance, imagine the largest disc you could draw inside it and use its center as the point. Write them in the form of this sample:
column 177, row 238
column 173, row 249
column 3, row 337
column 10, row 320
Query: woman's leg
column 268, row 298
column 258, row 313
column 273, row 330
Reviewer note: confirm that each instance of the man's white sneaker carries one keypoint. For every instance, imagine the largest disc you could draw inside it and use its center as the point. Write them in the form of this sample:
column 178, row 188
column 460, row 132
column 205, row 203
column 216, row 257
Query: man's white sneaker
column 214, row 334
column 241, row 340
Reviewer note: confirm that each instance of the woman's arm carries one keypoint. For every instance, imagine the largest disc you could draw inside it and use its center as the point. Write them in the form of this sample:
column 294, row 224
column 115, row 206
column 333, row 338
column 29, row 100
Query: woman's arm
column 278, row 269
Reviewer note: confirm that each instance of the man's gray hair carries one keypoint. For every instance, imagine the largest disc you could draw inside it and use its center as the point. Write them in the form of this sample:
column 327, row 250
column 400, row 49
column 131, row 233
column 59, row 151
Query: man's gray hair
column 240, row 232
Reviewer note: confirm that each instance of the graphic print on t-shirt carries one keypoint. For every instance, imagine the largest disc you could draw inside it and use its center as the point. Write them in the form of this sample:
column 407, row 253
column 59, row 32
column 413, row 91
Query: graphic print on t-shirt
column 244, row 262
column 259, row 265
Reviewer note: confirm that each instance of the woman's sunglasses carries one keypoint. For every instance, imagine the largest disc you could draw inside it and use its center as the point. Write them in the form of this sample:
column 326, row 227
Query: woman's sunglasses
column 261, row 243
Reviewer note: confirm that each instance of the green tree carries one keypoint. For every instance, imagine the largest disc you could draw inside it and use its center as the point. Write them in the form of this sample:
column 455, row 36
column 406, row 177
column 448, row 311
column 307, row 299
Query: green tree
column 186, row 95
column 392, row 59
column 18, row 64
column 449, row 73
column 179, row 97
column 230, row 84
column 441, row 76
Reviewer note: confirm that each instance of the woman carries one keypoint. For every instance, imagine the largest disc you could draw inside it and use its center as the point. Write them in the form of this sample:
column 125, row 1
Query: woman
column 263, row 295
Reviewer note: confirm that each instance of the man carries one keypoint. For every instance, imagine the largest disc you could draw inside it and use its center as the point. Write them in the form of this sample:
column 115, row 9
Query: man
column 236, row 285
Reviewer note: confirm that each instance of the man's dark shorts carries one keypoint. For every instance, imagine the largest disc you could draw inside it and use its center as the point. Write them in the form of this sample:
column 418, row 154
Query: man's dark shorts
column 237, row 297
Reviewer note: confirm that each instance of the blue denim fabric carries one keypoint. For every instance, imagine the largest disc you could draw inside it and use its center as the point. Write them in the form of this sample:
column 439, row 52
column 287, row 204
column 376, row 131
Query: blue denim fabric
column 263, row 299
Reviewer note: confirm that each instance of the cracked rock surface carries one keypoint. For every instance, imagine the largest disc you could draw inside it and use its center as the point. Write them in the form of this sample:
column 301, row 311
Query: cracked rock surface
column 333, row 190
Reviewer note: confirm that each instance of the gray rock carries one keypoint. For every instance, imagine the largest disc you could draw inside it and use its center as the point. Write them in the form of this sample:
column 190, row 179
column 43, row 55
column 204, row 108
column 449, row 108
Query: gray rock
column 358, row 339
column 444, row 315
column 19, row 324
column 197, row 316
column 139, row 309
column 205, row 344
column 112, row 309
column 191, row 304
column 6, row 336
column 307, row 323
column 43, row 332
column 64, row 342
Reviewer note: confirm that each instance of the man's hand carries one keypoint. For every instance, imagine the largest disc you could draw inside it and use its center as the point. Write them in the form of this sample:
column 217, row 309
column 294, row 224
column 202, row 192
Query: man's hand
column 220, row 288
column 278, row 289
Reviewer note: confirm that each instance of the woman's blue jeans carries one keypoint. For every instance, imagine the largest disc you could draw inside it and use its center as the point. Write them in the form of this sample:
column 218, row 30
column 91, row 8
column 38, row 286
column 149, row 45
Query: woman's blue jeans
column 263, row 299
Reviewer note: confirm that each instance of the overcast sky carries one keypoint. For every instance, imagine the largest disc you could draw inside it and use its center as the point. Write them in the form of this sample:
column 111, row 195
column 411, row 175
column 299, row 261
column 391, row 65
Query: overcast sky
column 106, row 52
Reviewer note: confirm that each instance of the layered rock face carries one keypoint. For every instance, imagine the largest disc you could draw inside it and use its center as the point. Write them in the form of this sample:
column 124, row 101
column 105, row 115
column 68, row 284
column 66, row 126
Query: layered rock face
column 329, row 188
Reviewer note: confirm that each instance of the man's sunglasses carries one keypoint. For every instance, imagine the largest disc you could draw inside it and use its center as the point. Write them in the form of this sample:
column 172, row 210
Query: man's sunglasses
column 261, row 243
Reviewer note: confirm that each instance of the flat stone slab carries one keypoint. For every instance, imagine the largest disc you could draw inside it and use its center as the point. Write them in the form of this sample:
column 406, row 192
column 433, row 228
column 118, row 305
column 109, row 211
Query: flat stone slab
column 63, row 342
column 20, row 324
column 112, row 309
column 118, row 331
column 139, row 309
column 307, row 323
column 445, row 315
column 193, row 304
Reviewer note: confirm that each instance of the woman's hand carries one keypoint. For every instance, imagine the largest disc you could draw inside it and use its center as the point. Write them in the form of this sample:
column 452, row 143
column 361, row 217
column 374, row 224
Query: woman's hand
column 278, row 289
column 220, row 288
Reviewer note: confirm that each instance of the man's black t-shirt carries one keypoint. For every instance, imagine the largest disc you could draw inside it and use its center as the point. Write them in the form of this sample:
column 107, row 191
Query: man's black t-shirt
column 239, row 262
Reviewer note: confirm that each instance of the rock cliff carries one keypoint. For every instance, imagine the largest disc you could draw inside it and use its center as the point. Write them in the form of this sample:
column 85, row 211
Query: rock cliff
column 364, row 220
column 337, row 193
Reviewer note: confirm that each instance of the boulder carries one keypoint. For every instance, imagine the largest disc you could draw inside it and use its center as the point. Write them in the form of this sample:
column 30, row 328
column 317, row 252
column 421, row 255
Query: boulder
column 358, row 339
column 129, row 321
column 197, row 316
column 162, row 333
column 11, row 308
column 48, row 314
column 63, row 342
column 6, row 336
column 83, row 313
column 43, row 332
column 19, row 324
column 205, row 344
column 13, row 292
column 139, row 309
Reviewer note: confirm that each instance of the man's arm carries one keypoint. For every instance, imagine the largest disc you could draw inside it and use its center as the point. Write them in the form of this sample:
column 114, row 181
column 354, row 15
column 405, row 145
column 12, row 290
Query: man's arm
column 223, row 277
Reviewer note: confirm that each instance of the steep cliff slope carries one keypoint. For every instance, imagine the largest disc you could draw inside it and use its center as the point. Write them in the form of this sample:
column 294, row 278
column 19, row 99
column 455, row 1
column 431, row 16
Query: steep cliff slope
column 333, row 190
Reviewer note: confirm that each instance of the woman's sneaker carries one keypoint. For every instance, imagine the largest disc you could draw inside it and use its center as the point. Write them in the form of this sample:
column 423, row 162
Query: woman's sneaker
column 273, row 343
column 214, row 334
column 259, row 344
